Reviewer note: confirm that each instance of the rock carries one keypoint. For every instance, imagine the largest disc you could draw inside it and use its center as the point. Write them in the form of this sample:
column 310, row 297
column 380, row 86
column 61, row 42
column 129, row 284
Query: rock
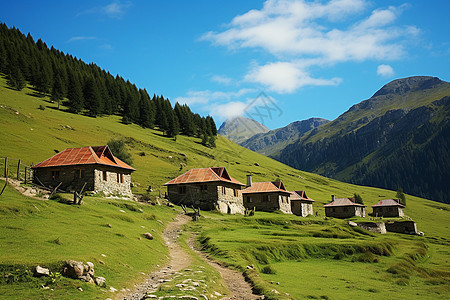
column 103, row 255
column 109, row 225
column 150, row 297
column 148, row 235
column 90, row 269
column 112, row 290
column 353, row 224
column 249, row 267
column 40, row 271
column 100, row 281
column 80, row 289
column 122, row 211
column 73, row 269
column 256, row 164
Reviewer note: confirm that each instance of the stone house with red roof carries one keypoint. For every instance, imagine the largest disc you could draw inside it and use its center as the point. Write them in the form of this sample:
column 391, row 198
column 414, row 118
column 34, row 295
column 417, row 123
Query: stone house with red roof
column 266, row 196
column 95, row 167
column 388, row 208
column 344, row 208
column 301, row 205
column 208, row 189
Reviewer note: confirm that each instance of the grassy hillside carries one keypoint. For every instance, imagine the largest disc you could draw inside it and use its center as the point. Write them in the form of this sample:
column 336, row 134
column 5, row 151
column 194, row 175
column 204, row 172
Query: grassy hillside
column 47, row 232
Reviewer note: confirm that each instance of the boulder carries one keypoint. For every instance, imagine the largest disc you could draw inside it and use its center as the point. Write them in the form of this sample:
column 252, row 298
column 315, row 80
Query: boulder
column 40, row 271
column 148, row 235
column 73, row 269
column 100, row 281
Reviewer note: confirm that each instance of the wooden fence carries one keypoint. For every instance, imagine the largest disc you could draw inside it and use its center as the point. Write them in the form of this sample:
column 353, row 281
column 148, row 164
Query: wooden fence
column 15, row 168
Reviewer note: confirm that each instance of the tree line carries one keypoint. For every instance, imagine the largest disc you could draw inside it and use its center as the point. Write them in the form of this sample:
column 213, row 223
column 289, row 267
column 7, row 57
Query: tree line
column 91, row 90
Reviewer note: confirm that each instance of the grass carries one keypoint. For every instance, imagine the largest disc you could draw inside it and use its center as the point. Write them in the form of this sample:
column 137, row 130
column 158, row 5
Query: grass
column 340, row 264
column 46, row 233
column 295, row 249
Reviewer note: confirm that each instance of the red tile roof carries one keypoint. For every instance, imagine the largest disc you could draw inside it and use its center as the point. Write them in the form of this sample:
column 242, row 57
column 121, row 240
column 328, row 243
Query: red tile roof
column 200, row 175
column 388, row 202
column 100, row 155
column 265, row 187
column 342, row 202
column 300, row 195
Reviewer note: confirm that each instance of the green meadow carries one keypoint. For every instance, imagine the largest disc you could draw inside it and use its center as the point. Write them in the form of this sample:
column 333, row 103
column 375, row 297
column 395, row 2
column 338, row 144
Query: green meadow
column 309, row 257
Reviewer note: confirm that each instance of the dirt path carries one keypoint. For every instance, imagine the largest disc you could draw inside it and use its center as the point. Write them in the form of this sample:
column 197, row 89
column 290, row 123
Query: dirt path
column 239, row 288
column 235, row 281
column 179, row 261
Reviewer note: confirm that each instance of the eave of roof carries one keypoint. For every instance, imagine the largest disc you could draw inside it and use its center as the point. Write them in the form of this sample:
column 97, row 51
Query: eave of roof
column 264, row 187
column 203, row 175
column 388, row 202
column 341, row 202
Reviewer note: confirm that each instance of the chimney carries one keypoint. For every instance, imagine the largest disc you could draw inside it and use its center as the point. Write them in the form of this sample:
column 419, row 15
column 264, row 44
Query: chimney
column 332, row 197
column 249, row 180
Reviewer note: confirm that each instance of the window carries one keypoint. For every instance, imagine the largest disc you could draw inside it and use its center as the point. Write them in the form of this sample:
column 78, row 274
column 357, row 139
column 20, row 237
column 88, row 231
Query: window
column 266, row 198
column 224, row 190
column 203, row 187
column 236, row 193
column 182, row 189
column 119, row 177
column 249, row 199
column 105, row 176
column 78, row 174
column 55, row 175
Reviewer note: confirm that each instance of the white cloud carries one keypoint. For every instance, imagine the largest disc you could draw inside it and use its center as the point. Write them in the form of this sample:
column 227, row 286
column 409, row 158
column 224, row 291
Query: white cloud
column 205, row 97
column 116, row 9
column 222, row 79
column 81, row 38
column 285, row 77
column 228, row 110
column 302, row 34
column 385, row 71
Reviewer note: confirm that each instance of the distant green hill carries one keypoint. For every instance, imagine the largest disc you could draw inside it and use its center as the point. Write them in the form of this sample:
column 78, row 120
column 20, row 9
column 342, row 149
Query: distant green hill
column 398, row 138
column 270, row 143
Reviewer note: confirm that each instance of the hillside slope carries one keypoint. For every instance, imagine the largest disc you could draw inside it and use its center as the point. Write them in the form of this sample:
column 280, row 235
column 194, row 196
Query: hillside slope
column 239, row 129
column 397, row 138
column 270, row 143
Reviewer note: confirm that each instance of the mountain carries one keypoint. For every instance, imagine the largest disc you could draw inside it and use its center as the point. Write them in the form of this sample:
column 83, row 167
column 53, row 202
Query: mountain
column 271, row 142
column 239, row 129
column 398, row 138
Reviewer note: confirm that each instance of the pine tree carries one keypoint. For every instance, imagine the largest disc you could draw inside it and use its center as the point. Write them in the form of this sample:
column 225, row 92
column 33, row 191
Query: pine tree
column 57, row 90
column 75, row 93
column 358, row 199
column 401, row 196
column 16, row 80
column 92, row 97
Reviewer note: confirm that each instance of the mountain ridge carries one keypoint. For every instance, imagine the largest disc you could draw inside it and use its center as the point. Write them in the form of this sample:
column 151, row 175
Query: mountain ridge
column 240, row 128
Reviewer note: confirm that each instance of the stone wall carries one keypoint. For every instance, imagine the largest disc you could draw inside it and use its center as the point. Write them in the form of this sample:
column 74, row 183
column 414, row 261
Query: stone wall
column 345, row 211
column 378, row 227
column 112, row 181
column 388, row 211
column 268, row 202
column 301, row 208
column 72, row 178
column 224, row 197
column 408, row 227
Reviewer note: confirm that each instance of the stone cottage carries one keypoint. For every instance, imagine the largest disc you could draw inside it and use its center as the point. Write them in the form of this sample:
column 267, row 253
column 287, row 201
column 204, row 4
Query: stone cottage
column 388, row 208
column 208, row 189
column 266, row 196
column 95, row 167
column 344, row 208
column 301, row 205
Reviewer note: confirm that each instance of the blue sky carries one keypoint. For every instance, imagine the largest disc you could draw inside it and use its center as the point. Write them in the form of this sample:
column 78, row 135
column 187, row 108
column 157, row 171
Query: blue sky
column 275, row 61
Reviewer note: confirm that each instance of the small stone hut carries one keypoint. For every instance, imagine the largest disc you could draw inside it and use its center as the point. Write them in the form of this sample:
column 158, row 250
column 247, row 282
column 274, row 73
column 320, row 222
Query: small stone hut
column 95, row 168
column 208, row 189
column 388, row 208
column 344, row 208
column 266, row 196
column 301, row 205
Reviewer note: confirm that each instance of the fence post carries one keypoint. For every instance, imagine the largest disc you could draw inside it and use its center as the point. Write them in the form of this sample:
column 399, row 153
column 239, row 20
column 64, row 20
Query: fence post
column 18, row 170
column 6, row 167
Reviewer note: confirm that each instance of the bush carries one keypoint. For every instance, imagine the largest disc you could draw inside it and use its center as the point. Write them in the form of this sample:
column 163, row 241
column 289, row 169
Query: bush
column 268, row 270
column 117, row 147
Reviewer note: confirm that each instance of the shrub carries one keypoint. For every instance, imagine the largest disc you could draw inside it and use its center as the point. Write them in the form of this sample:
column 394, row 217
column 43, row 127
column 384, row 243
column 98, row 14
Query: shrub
column 268, row 270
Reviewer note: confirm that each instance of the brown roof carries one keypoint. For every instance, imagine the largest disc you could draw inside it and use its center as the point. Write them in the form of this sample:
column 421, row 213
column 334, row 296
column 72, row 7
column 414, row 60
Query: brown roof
column 200, row 175
column 342, row 202
column 300, row 195
column 388, row 202
column 265, row 187
column 101, row 155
